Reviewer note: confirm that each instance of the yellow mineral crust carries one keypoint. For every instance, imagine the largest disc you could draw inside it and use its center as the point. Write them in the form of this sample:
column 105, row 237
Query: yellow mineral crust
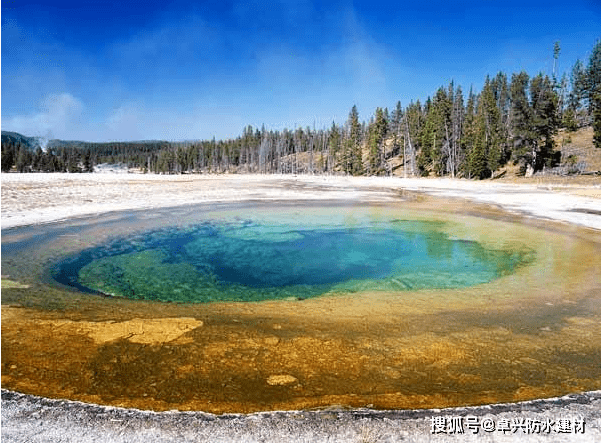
column 138, row 330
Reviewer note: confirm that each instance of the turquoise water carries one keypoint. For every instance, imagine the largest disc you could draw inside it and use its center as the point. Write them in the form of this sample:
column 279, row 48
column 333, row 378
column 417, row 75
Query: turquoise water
column 259, row 260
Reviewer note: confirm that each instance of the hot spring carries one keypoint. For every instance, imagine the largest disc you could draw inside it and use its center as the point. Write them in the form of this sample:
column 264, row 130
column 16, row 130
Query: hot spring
column 290, row 305
column 284, row 259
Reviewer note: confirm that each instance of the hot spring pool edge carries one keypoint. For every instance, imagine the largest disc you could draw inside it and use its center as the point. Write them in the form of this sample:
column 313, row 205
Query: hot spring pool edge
column 28, row 417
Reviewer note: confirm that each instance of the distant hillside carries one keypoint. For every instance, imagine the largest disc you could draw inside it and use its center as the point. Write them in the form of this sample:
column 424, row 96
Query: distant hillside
column 578, row 157
column 21, row 153
column 577, row 149
column 16, row 138
column 34, row 142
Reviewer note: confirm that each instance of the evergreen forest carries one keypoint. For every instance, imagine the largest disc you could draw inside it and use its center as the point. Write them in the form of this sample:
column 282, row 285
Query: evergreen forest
column 456, row 133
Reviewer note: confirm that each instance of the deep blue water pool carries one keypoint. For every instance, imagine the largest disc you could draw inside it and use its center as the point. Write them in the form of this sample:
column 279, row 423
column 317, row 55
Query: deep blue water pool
column 252, row 261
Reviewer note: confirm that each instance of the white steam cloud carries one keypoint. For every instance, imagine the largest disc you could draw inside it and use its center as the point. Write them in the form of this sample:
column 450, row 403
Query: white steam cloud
column 57, row 116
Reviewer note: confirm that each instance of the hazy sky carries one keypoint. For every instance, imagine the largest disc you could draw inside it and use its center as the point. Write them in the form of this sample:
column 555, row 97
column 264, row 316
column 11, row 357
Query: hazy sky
column 102, row 70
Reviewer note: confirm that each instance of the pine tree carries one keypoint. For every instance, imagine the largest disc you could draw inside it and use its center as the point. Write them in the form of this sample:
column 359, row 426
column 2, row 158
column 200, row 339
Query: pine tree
column 597, row 121
column 577, row 102
column 333, row 146
column 523, row 139
column 456, row 154
column 377, row 132
column 480, row 137
column 353, row 161
column 24, row 159
column 477, row 157
column 8, row 156
column 435, row 135
column 556, row 51
column 427, row 141
column 88, row 165
column 594, row 94
column 468, row 137
column 396, row 118
column 502, row 95
column 544, row 118
column 489, row 113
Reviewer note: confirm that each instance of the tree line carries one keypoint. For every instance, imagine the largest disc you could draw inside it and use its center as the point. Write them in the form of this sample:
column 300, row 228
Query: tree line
column 511, row 120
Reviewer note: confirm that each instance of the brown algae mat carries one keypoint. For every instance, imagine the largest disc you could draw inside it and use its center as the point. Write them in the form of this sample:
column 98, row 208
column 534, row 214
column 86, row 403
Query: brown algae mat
column 535, row 333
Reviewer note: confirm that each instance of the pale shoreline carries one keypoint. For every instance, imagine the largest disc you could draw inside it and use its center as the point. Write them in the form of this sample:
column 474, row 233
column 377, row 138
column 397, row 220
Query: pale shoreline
column 32, row 418
column 29, row 199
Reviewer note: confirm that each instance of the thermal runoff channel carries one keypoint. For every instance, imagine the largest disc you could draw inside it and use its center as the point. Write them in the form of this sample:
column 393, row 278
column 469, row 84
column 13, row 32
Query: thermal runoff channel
column 254, row 261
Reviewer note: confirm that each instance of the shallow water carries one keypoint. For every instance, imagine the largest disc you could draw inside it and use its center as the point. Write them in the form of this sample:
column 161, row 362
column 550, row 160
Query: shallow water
column 532, row 331
column 251, row 260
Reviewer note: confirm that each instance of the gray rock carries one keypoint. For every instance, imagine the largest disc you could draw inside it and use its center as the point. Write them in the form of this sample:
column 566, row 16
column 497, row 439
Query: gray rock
column 27, row 418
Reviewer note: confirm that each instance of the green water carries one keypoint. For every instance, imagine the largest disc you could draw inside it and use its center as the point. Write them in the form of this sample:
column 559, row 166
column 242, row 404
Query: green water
column 260, row 260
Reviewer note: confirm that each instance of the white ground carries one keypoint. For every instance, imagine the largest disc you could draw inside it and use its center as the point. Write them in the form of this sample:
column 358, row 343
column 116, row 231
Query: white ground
column 41, row 198
column 27, row 419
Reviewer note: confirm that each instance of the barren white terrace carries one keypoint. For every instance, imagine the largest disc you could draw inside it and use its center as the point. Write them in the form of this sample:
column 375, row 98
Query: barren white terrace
column 42, row 198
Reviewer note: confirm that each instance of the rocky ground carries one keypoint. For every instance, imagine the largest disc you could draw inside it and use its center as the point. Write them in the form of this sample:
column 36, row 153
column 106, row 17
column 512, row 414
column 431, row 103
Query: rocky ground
column 571, row 418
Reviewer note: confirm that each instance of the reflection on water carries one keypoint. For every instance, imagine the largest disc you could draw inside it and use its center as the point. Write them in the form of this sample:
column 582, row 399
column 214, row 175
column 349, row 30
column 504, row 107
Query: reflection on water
column 251, row 261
